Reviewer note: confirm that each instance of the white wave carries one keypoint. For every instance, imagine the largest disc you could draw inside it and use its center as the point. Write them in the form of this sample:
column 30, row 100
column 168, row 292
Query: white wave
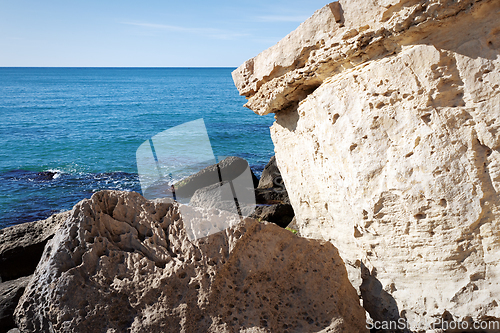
column 57, row 173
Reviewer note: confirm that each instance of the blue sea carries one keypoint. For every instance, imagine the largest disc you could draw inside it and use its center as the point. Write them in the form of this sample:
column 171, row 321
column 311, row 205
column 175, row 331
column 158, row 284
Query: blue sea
column 66, row 133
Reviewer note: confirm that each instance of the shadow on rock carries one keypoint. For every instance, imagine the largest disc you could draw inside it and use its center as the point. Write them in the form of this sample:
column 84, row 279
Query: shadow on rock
column 381, row 306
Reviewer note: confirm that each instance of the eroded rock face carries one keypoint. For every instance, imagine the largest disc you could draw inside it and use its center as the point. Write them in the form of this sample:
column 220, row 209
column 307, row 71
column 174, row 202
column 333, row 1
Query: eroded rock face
column 395, row 155
column 345, row 34
column 122, row 263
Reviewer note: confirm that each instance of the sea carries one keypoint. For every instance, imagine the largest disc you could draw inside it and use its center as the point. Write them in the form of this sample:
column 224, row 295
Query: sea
column 66, row 133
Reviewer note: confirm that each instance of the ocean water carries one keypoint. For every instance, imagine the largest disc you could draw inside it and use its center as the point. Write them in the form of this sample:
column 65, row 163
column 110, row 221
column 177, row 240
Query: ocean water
column 66, row 133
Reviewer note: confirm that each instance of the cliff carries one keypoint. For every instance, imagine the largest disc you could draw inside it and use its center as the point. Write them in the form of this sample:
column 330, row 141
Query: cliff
column 386, row 136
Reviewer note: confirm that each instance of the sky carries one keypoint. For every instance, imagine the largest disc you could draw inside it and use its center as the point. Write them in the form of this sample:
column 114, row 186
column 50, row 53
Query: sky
column 113, row 33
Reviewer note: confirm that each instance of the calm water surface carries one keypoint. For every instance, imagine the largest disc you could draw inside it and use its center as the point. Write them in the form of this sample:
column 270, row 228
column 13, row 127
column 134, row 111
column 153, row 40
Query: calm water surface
column 66, row 133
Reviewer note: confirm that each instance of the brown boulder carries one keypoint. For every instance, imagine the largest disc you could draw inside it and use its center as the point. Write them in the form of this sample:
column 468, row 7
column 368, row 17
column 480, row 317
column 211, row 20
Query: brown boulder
column 123, row 263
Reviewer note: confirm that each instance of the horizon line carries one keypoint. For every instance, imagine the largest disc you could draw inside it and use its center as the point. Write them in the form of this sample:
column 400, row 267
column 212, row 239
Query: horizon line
column 145, row 67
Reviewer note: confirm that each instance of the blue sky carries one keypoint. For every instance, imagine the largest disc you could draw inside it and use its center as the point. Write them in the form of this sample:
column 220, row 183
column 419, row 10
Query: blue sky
column 144, row 34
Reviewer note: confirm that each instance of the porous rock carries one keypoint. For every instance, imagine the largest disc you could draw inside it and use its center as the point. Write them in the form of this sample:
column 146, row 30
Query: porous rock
column 122, row 263
column 389, row 110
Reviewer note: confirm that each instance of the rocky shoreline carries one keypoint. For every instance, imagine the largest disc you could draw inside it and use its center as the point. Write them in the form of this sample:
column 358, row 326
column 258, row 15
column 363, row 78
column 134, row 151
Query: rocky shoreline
column 118, row 262
column 387, row 138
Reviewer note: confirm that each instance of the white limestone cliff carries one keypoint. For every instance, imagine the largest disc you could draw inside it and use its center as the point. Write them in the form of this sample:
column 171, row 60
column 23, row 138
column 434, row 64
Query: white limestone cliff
column 386, row 136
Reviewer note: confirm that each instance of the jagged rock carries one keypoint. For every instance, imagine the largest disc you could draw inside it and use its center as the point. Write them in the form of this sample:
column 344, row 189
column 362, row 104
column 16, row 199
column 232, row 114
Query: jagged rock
column 274, row 204
column 229, row 168
column 271, row 196
column 122, row 263
column 10, row 292
column 339, row 37
column 220, row 196
column 271, row 188
column 386, row 134
column 281, row 214
column 21, row 246
column 271, row 176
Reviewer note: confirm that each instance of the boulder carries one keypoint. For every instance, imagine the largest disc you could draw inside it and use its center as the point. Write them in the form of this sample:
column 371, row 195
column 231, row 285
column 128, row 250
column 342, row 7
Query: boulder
column 387, row 137
column 271, row 176
column 123, row 263
column 221, row 196
column 10, row 293
column 271, row 188
column 21, row 246
column 271, row 196
column 229, row 169
column 280, row 214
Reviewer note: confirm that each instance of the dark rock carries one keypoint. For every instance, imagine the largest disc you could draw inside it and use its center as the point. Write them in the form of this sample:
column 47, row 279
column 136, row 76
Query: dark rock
column 221, row 196
column 271, row 175
column 10, row 293
column 21, row 246
column 227, row 169
column 271, row 188
column 280, row 214
column 46, row 175
column 271, row 196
